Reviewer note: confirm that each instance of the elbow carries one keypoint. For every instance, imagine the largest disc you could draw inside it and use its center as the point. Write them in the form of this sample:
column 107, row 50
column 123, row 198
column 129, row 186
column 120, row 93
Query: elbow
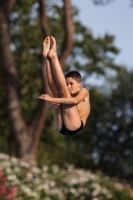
column 75, row 102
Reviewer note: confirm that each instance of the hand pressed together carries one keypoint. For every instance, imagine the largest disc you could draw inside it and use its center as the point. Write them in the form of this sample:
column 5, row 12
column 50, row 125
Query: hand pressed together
column 50, row 102
column 53, row 105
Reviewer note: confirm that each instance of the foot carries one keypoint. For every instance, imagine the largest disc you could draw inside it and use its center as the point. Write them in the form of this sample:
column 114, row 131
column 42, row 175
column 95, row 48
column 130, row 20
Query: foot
column 52, row 50
column 46, row 46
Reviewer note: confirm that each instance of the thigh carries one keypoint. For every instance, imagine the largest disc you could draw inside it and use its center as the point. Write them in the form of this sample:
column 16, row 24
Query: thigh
column 70, row 113
column 71, row 117
column 58, row 117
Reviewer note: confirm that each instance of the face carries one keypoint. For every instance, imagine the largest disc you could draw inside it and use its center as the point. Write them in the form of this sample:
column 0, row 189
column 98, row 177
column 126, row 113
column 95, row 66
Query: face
column 73, row 85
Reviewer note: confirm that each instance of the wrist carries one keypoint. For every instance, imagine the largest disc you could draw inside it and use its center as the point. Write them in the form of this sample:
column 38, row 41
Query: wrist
column 54, row 57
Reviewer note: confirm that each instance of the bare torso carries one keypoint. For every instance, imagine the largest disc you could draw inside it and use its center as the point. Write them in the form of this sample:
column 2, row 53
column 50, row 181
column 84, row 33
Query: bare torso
column 84, row 109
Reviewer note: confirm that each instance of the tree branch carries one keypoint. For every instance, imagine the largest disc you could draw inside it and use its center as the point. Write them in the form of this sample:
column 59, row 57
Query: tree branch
column 43, row 18
column 41, row 112
column 69, row 30
column 10, row 76
column 7, row 6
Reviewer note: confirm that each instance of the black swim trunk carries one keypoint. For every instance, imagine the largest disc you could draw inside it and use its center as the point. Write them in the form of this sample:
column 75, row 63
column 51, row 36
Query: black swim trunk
column 65, row 131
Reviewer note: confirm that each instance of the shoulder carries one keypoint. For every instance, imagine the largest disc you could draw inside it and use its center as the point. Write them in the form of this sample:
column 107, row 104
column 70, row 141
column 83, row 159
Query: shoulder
column 84, row 91
column 83, row 94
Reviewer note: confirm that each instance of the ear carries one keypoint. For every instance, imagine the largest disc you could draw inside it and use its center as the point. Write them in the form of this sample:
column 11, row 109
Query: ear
column 80, row 83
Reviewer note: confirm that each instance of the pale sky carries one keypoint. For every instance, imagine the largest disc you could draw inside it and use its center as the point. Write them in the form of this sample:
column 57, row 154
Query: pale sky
column 115, row 19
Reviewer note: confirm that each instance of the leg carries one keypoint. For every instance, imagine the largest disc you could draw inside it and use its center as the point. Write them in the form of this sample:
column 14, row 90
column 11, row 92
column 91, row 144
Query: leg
column 54, row 89
column 70, row 113
column 57, row 70
column 52, row 85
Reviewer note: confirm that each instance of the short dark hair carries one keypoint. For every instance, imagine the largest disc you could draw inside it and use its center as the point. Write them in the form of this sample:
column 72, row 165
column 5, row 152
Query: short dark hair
column 74, row 74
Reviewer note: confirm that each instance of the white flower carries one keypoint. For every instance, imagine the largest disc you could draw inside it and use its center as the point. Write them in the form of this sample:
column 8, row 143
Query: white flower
column 35, row 170
column 83, row 179
column 45, row 176
column 37, row 181
column 17, row 170
column 26, row 190
column 4, row 156
column 46, row 187
column 83, row 190
column 34, row 195
column 93, row 177
column 5, row 164
column 29, row 176
column 73, row 191
column 70, row 168
column 55, row 169
column 14, row 160
column 8, row 170
column 74, row 181
column 58, row 193
column 12, row 177
column 119, row 186
column 24, row 164
column 52, row 183
column 32, row 163
column 97, row 189
column 45, row 168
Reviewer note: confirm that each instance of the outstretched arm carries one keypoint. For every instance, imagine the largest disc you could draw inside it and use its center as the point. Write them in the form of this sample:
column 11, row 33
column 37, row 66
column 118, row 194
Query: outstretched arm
column 69, row 100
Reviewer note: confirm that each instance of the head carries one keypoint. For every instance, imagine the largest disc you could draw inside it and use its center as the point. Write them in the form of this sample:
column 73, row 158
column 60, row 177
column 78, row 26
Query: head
column 74, row 82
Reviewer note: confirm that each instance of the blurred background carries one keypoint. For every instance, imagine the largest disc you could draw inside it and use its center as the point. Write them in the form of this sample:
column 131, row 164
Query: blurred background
column 92, row 37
